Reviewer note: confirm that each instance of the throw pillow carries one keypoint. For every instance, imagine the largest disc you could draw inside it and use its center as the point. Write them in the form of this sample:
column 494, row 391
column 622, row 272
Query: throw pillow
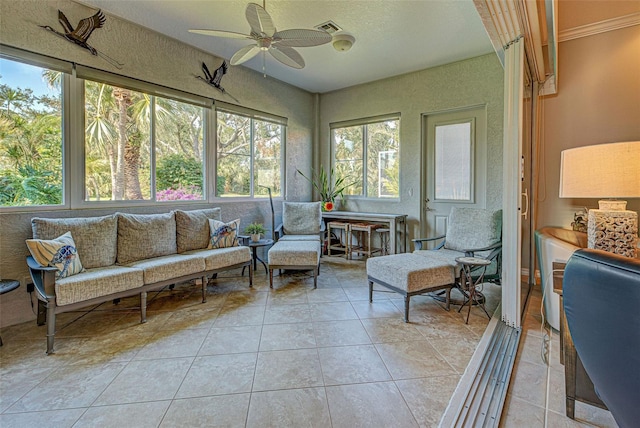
column 223, row 234
column 60, row 253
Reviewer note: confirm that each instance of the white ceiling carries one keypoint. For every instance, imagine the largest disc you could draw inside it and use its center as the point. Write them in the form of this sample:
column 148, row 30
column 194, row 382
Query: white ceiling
column 393, row 37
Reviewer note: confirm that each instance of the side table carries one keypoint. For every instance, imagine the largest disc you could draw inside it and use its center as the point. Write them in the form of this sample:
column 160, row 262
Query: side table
column 7, row 285
column 254, row 254
column 467, row 281
column 578, row 385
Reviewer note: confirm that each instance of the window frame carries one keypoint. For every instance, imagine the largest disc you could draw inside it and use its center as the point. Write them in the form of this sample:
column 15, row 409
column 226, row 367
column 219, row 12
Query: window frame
column 472, row 157
column 73, row 137
column 222, row 107
column 364, row 122
column 154, row 91
column 66, row 68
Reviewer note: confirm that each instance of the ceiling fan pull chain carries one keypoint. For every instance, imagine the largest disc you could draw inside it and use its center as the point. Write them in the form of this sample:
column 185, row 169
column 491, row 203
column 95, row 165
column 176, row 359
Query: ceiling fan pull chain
column 264, row 65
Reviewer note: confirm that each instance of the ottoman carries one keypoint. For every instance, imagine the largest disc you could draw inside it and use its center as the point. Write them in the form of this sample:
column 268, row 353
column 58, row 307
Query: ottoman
column 297, row 255
column 410, row 274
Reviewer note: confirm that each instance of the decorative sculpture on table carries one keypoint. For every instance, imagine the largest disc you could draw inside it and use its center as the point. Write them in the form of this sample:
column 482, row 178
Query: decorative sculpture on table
column 214, row 80
column 80, row 34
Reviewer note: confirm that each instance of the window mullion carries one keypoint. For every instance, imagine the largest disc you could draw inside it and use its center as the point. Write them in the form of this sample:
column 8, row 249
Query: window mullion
column 365, row 151
column 74, row 140
column 152, row 149
column 252, row 156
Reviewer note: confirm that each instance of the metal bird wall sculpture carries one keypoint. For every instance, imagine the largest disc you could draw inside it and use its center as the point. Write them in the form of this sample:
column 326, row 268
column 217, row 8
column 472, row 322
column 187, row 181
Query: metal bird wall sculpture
column 214, row 80
column 81, row 33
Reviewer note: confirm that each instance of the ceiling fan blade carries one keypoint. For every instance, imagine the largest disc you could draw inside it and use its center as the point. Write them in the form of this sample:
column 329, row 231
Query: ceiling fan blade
column 222, row 33
column 259, row 20
column 287, row 56
column 244, row 54
column 301, row 37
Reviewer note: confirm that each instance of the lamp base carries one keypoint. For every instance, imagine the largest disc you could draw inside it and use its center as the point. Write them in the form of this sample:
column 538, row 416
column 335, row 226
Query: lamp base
column 613, row 231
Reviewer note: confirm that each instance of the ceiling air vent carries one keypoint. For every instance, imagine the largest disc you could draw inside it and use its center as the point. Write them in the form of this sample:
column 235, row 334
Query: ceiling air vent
column 329, row 26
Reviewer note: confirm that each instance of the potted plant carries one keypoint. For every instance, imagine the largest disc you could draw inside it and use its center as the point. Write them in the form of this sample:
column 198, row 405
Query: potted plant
column 328, row 188
column 255, row 230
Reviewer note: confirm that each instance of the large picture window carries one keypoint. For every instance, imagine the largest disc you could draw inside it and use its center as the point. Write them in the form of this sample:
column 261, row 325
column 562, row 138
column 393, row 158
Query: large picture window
column 141, row 147
column 249, row 155
column 31, row 140
column 368, row 153
column 72, row 136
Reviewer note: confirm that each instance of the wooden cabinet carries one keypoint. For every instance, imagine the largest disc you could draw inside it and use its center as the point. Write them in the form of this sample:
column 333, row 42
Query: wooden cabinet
column 577, row 383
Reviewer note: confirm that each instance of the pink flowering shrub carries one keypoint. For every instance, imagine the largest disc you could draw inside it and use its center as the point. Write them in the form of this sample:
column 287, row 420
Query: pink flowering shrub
column 180, row 194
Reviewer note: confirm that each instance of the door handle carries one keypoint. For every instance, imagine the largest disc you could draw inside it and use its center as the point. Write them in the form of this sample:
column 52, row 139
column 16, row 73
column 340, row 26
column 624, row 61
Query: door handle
column 525, row 212
column 426, row 205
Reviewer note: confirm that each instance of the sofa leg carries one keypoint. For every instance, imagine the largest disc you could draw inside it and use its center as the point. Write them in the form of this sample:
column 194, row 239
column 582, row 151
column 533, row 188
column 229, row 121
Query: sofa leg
column 315, row 277
column 407, row 298
column 270, row 278
column 370, row 291
column 203, row 280
column 448, row 301
column 250, row 275
column 143, row 307
column 51, row 325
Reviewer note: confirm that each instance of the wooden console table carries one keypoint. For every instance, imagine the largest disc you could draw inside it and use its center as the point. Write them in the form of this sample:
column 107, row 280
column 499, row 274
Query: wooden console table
column 397, row 225
column 577, row 382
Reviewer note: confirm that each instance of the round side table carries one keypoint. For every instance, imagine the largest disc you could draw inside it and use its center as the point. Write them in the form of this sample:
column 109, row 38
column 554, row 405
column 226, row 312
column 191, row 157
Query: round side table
column 467, row 282
column 7, row 285
column 254, row 248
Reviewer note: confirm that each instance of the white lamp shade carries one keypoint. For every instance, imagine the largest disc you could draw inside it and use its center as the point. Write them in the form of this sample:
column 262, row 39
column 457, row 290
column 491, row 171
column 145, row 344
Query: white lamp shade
column 601, row 171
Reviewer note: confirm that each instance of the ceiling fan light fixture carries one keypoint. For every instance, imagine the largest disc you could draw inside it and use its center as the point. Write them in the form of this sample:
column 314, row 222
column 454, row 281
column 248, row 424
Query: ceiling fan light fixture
column 342, row 42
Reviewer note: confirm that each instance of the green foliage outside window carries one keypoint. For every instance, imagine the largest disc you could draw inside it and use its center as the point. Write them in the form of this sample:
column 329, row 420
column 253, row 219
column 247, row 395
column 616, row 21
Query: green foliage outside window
column 368, row 154
column 30, row 142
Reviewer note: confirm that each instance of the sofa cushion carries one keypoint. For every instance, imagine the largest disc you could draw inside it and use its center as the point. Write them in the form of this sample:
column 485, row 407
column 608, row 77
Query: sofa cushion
column 192, row 228
column 224, row 235
column 96, row 238
column 60, row 253
column 223, row 257
column 145, row 236
column 96, row 282
column 164, row 268
column 301, row 218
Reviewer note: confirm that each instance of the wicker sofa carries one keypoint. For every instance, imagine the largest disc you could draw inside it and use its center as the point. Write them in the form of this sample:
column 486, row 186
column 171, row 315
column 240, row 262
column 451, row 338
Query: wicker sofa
column 127, row 254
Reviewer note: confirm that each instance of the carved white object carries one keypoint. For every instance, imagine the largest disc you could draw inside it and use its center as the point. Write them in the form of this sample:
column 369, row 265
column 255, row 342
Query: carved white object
column 613, row 231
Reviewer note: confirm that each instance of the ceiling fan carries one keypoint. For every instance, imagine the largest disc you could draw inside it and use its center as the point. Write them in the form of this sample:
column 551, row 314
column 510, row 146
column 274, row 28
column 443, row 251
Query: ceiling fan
column 279, row 44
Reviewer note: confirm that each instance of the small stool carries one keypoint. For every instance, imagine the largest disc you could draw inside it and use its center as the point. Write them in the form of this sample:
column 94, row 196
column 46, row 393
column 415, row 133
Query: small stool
column 410, row 274
column 363, row 245
column 345, row 232
column 384, row 240
column 296, row 255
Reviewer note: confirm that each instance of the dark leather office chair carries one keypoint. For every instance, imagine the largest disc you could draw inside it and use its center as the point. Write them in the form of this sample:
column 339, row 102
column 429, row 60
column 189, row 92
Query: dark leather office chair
column 602, row 305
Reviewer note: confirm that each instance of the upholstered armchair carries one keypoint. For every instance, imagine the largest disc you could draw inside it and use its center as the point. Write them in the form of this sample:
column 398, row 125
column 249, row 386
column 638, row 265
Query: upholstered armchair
column 301, row 221
column 470, row 232
column 601, row 293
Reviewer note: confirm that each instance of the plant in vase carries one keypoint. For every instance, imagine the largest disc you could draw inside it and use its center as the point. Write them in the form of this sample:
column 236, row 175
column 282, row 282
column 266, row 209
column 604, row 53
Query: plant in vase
column 328, row 188
column 255, row 230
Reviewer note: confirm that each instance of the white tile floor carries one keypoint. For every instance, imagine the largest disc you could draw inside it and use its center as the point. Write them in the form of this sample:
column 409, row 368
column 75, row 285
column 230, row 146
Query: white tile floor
column 290, row 357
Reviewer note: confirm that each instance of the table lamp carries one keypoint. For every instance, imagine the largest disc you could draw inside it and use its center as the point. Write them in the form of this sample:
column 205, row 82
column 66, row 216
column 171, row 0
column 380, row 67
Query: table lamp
column 605, row 171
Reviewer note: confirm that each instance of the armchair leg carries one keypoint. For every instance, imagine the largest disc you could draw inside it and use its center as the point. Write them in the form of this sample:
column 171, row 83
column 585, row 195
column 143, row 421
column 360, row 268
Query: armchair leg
column 270, row 278
column 370, row 291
